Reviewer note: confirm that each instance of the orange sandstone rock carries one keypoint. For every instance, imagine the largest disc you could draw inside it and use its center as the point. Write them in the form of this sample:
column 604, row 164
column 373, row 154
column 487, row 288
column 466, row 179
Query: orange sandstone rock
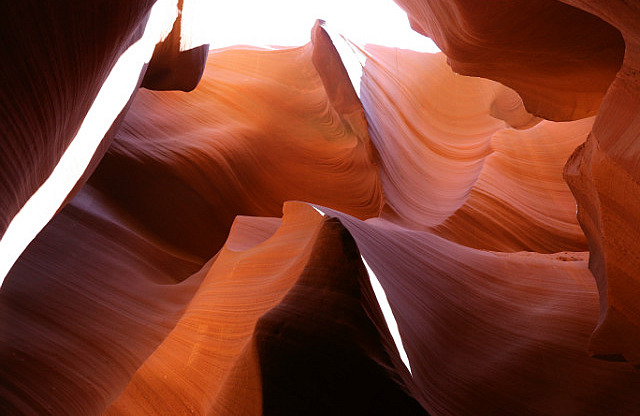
column 432, row 130
column 560, row 59
column 489, row 333
column 280, row 325
column 604, row 175
column 56, row 58
column 520, row 201
column 261, row 128
column 87, row 302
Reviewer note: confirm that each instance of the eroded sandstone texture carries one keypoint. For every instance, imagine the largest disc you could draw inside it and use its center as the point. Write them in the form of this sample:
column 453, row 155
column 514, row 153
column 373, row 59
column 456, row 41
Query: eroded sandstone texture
column 56, row 58
column 559, row 58
column 562, row 67
column 225, row 254
column 49, row 82
column 261, row 128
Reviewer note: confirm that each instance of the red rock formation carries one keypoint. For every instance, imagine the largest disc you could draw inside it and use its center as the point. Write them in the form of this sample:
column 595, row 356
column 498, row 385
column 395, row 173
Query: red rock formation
column 560, row 59
column 132, row 259
column 49, row 86
column 212, row 344
column 261, row 128
column 330, row 325
column 86, row 303
column 604, row 176
column 449, row 161
column 121, row 304
column 277, row 327
column 520, row 201
column 493, row 333
column 432, row 129
column 73, row 70
column 171, row 68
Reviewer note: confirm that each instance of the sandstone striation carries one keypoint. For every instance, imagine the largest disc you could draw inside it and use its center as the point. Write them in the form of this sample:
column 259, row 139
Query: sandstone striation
column 86, row 303
column 261, row 128
column 49, row 85
column 603, row 37
column 254, row 235
column 560, row 59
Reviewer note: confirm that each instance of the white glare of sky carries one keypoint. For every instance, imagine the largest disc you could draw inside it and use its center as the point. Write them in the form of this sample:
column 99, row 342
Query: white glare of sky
column 289, row 22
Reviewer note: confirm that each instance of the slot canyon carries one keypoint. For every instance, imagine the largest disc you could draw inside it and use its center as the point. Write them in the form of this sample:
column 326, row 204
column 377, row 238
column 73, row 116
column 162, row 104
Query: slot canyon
column 334, row 228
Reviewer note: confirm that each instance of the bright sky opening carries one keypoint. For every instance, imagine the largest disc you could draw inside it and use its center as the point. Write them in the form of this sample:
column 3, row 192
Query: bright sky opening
column 289, row 22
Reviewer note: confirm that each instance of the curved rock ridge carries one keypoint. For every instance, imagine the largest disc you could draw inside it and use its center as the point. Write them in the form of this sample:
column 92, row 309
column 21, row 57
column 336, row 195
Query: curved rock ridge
column 461, row 156
column 213, row 342
column 71, row 74
column 562, row 72
column 48, row 86
column 560, row 59
column 169, row 284
column 263, row 127
column 521, row 201
column 432, row 129
column 119, row 327
column 604, row 175
column 493, row 333
column 86, row 303
column 280, row 325
column 580, row 50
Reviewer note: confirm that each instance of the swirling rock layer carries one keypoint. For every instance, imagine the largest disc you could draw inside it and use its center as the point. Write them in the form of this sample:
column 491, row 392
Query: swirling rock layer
column 269, row 314
column 48, row 85
column 86, row 303
column 71, row 73
column 431, row 129
column 604, row 176
column 261, row 129
column 520, row 201
column 169, row 284
column 491, row 333
column 562, row 72
column 461, row 156
column 560, row 59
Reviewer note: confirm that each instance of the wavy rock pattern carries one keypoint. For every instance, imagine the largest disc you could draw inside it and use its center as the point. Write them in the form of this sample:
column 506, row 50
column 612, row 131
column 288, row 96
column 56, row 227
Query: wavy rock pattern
column 169, row 285
column 83, row 307
column 432, row 130
column 491, row 333
column 134, row 257
column 520, row 201
column 211, row 354
column 461, row 156
column 61, row 107
column 261, row 129
column 602, row 173
column 269, row 313
column 46, row 95
column 560, row 59
column 604, row 176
